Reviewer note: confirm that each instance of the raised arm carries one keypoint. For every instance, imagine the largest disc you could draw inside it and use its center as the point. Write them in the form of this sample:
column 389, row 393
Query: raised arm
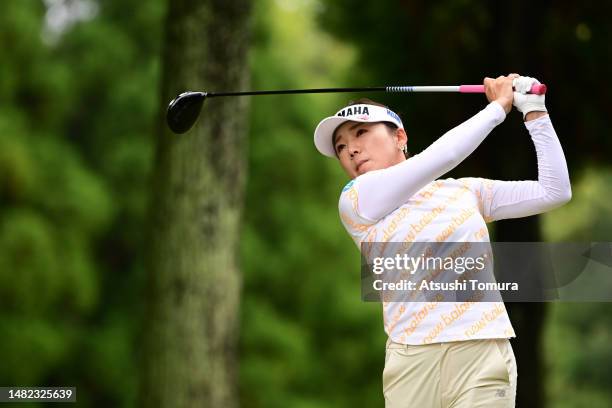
column 514, row 199
column 382, row 191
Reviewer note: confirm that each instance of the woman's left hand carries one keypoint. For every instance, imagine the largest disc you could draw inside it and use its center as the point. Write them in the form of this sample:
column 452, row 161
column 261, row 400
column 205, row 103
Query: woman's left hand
column 500, row 90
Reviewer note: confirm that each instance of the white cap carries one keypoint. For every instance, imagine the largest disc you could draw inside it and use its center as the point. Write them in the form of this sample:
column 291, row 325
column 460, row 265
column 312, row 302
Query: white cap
column 355, row 113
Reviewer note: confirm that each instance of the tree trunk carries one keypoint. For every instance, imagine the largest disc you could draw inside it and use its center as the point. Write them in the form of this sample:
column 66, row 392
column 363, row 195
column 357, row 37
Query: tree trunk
column 189, row 359
column 520, row 44
column 527, row 319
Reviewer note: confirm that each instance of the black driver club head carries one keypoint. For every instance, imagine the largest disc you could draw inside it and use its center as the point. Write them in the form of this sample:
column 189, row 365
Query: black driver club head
column 183, row 111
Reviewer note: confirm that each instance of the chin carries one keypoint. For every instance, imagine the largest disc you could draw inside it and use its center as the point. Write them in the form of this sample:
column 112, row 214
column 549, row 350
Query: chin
column 365, row 168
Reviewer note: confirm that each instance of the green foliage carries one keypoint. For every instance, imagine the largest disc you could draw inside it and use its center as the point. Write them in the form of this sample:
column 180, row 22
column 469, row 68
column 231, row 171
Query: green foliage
column 32, row 347
column 307, row 339
column 584, row 218
column 76, row 120
column 578, row 335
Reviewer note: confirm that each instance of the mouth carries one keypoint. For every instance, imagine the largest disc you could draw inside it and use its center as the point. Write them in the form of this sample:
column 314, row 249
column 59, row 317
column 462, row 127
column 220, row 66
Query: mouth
column 360, row 163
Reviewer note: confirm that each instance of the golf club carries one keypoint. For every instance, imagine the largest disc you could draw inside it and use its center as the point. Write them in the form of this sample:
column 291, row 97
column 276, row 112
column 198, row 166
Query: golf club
column 183, row 111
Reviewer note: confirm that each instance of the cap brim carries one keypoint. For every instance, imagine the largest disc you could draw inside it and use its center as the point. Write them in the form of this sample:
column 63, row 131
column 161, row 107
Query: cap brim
column 324, row 133
column 363, row 113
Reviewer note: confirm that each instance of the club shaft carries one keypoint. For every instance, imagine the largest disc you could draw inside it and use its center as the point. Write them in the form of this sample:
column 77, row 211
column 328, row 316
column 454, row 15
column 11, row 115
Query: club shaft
column 423, row 89
column 341, row 90
column 299, row 91
column 536, row 89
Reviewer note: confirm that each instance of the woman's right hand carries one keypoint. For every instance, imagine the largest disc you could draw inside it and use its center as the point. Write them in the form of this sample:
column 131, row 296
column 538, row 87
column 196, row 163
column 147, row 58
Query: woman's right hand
column 500, row 90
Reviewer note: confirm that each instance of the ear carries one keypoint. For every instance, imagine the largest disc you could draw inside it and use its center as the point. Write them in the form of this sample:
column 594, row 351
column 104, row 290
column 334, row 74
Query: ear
column 402, row 137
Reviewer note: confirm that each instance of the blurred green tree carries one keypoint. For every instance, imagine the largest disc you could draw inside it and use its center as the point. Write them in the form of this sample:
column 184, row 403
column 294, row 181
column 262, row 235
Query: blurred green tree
column 78, row 95
column 579, row 335
column 307, row 340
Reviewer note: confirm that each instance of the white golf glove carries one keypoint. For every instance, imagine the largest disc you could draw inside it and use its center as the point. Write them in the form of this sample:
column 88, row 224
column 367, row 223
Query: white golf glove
column 523, row 101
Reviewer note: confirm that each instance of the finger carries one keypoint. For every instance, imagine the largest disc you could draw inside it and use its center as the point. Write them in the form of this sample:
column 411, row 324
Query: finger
column 523, row 84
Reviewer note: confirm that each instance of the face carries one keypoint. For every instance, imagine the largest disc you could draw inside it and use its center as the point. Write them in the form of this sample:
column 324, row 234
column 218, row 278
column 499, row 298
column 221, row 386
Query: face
column 363, row 147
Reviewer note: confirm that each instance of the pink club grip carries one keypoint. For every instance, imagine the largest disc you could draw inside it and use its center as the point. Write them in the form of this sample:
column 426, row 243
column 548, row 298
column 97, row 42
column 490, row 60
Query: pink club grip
column 537, row 89
column 471, row 88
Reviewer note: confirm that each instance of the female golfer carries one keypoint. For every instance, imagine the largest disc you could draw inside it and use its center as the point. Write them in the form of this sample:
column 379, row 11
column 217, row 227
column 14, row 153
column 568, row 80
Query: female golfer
column 431, row 359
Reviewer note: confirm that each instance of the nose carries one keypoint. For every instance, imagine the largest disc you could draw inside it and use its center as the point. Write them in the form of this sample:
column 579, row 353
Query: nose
column 353, row 148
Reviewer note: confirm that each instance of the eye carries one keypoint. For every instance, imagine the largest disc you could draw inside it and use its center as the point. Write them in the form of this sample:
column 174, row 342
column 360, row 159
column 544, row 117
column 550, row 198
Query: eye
column 339, row 148
column 361, row 131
